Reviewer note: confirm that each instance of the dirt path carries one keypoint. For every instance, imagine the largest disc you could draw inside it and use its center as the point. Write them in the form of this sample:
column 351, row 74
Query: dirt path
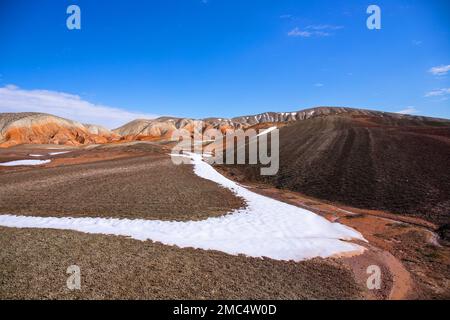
column 396, row 281
column 402, row 282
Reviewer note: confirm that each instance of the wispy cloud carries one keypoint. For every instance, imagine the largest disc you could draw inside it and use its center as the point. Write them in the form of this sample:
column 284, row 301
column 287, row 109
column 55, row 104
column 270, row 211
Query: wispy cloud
column 286, row 16
column 319, row 85
column 438, row 92
column 15, row 99
column 440, row 70
column 296, row 32
column 323, row 27
column 408, row 110
column 417, row 42
column 319, row 30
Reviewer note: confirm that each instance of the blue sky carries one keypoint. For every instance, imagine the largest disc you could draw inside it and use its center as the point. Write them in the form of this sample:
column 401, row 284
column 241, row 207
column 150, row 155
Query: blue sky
column 198, row 58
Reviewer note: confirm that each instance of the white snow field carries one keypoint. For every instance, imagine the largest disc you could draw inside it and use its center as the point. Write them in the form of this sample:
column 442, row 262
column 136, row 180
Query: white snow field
column 265, row 228
column 24, row 163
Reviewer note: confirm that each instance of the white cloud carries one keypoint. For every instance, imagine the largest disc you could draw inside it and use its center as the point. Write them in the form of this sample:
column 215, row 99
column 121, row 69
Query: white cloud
column 296, row 32
column 318, row 85
column 323, row 27
column 408, row 110
column 440, row 70
column 73, row 107
column 317, row 30
column 285, row 16
column 438, row 92
column 417, row 42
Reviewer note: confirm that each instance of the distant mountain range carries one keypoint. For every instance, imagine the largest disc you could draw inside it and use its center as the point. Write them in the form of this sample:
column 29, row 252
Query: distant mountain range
column 162, row 127
column 40, row 128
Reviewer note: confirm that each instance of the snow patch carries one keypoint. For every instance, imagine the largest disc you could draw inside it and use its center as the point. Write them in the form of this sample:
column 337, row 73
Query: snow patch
column 24, row 163
column 57, row 153
column 265, row 228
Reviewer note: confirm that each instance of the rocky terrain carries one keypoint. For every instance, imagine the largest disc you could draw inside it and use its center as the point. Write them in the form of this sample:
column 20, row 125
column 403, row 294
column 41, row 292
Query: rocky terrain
column 137, row 180
column 384, row 175
column 98, row 130
column 362, row 158
column 40, row 128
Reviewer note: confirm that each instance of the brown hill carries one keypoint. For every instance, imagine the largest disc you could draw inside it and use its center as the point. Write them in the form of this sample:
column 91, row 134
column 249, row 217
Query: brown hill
column 162, row 128
column 366, row 159
column 40, row 128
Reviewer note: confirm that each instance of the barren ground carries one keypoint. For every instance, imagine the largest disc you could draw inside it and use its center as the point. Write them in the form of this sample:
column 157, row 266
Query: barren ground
column 33, row 265
column 414, row 260
column 378, row 163
column 139, row 181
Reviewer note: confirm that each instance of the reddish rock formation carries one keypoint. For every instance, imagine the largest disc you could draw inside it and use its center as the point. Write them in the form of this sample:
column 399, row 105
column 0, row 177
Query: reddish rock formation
column 40, row 128
column 36, row 128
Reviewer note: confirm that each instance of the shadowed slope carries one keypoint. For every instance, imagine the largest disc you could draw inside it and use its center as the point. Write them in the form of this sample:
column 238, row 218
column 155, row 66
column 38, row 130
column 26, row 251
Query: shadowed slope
column 373, row 161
